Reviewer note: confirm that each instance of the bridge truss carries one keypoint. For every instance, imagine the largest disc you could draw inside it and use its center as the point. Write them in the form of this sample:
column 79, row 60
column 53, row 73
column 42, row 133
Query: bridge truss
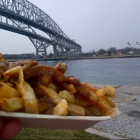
column 23, row 17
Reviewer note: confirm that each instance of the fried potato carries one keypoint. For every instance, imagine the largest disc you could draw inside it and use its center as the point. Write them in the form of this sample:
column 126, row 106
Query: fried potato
column 29, row 98
column 24, row 89
column 82, row 102
column 76, row 110
column 61, row 109
column 71, row 88
column 2, row 58
column 103, row 106
column 15, row 74
column 11, row 104
column 38, row 70
column 7, row 91
column 93, row 88
column 3, row 66
column 110, row 91
column 67, row 95
column 23, row 63
column 100, row 92
column 86, row 92
column 45, row 91
column 53, row 86
column 109, row 101
column 44, row 106
column 44, row 79
column 92, row 111
column 62, row 67
column 72, row 80
column 107, row 91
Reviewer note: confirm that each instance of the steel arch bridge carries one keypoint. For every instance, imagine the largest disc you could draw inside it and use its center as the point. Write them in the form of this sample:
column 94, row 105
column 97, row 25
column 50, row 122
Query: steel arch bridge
column 23, row 17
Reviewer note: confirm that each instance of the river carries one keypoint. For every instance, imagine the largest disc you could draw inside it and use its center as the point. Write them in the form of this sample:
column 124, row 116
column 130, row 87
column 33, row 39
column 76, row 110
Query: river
column 116, row 71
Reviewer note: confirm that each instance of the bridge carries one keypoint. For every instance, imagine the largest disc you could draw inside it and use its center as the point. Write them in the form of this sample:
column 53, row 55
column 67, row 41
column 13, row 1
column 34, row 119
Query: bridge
column 23, row 17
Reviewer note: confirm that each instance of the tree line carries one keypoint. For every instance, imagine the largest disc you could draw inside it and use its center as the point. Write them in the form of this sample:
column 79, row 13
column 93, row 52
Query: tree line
column 112, row 51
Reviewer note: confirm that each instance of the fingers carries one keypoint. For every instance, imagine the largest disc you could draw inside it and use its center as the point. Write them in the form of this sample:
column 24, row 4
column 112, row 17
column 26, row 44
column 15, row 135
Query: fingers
column 10, row 129
column 1, row 123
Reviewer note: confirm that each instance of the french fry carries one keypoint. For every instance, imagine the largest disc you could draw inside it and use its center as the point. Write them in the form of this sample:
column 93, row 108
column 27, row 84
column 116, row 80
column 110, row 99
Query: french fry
column 23, row 63
column 2, row 58
column 109, row 101
column 11, row 104
column 76, row 110
column 71, row 88
column 107, row 91
column 72, row 80
column 103, row 106
column 15, row 74
column 44, row 106
column 7, row 91
column 24, row 89
column 67, row 95
column 82, row 102
column 62, row 67
column 86, row 92
column 44, row 79
column 45, row 91
column 29, row 98
column 92, row 111
column 110, row 91
column 53, row 86
column 61, row 109
column 38, row 70
column 93, row 88
column 100, row 92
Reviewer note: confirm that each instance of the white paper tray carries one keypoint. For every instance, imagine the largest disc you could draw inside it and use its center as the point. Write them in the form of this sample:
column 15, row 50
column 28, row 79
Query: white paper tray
column 58, row 122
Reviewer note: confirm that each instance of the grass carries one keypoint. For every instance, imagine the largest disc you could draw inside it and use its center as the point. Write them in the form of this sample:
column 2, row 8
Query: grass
column 55, row 134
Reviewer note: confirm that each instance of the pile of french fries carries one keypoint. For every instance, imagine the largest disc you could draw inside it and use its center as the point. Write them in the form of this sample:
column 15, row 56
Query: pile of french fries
column 29, row 87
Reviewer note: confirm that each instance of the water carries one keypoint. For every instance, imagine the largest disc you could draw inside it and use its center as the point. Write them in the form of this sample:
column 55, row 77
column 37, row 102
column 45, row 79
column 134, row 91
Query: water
column 117, row 71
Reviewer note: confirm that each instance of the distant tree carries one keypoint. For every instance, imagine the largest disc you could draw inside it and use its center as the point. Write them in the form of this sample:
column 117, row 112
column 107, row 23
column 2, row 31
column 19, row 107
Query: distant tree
column 127, row 49
column 101, row 52
column 91, row 53
column 112, row 50
column 109, row 53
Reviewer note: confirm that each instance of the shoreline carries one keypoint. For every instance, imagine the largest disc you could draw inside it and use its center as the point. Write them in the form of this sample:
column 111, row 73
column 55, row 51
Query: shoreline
column 95, row 57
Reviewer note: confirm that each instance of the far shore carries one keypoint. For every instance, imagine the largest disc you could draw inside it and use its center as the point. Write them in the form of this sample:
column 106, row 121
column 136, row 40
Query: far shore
column 79, row 58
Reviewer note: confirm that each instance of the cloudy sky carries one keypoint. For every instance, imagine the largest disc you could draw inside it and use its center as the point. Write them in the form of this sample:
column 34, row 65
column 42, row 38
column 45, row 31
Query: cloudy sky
column 94, row 24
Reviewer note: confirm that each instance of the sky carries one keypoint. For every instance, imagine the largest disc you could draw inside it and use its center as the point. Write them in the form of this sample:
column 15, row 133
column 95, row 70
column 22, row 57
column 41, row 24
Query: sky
column 94, row 24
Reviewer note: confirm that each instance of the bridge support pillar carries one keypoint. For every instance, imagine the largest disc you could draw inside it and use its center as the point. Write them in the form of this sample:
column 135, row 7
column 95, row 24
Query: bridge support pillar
column 44, row 51
column 36, row 53
column 67, row 51
column 62, row 52
column 55, row 51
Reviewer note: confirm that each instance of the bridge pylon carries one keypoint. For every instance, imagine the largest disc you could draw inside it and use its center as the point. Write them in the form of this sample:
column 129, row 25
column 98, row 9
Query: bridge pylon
column 41, row 47
column 55, row 51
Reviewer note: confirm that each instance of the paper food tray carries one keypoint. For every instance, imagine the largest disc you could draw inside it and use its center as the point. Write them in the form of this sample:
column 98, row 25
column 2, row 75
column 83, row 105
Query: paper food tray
column 58, row 122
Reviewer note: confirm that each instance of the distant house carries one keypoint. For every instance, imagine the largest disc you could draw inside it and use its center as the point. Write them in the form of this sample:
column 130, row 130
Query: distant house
column 131, row 52
column 119, row 53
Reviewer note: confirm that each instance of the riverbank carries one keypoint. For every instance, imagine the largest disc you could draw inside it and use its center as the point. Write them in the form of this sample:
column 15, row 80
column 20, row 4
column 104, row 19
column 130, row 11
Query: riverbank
column 80, row 58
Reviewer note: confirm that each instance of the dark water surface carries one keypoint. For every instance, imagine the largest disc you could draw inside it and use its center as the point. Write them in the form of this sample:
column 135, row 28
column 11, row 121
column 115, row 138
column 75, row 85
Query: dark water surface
column 117, row 71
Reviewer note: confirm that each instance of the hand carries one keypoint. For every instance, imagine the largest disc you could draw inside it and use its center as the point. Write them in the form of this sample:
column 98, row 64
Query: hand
column 9, row 128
